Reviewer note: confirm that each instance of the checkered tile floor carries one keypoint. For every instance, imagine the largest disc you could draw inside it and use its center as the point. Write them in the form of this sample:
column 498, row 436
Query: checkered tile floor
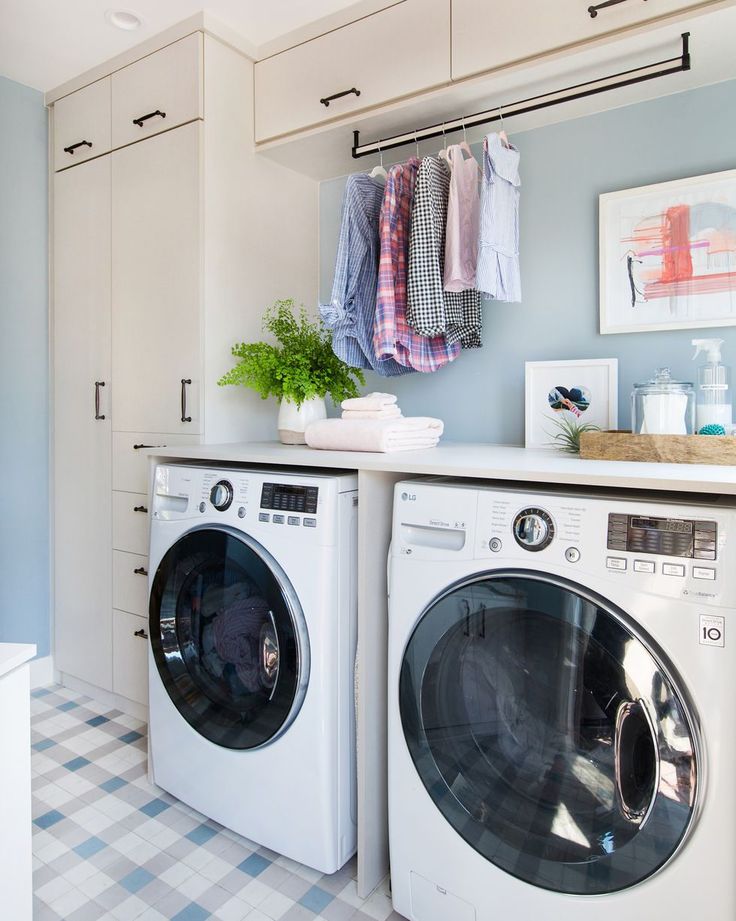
column 107, row 844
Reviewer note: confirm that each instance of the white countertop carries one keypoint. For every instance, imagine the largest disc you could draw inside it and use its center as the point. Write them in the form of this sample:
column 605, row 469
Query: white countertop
column 484, row 461
column 14, row 654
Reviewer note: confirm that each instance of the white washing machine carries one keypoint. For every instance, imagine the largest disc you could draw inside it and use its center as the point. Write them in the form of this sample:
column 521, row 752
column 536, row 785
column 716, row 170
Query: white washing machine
column 253, row 636
column 562, row 731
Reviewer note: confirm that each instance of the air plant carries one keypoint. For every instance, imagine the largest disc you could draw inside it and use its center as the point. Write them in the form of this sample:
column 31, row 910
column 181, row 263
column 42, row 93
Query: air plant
column 567, row 436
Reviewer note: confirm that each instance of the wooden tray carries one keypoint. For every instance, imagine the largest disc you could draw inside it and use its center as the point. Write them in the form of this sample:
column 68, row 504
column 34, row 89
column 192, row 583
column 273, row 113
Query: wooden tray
column 665, row 449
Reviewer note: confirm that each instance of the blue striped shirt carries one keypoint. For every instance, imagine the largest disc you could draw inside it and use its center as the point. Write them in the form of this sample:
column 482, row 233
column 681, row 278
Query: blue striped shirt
column 498, row 273
column 351, row 313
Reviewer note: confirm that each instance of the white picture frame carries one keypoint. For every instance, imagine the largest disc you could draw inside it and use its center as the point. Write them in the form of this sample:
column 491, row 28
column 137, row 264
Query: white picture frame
column 589, row 386
column 668, row 255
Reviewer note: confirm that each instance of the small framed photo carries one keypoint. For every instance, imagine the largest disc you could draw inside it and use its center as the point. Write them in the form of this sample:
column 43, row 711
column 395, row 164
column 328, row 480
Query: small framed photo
column 581, row 391
column 668, row 255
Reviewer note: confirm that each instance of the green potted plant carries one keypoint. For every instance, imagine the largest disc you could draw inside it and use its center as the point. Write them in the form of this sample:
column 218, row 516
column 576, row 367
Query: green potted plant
column 299, row 370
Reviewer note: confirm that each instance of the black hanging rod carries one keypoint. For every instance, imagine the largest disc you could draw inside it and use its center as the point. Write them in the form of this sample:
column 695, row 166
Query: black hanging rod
column 532, row 104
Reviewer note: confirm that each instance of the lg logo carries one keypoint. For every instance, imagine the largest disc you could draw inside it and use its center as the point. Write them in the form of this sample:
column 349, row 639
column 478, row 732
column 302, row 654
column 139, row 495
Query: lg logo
column 408, row 497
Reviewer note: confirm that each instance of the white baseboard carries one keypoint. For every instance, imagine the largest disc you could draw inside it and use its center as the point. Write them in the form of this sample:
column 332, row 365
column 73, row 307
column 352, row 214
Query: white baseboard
column 42, row 672
column 114, row 701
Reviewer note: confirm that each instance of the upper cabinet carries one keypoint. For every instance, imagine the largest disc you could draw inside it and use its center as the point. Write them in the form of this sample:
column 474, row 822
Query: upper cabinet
column 82, row 124
column 158, row 92
column 490, row 35
column 391, row 54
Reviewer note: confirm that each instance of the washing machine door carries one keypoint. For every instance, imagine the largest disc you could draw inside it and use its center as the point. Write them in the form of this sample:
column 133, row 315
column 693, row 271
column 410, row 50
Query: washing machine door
column 229, row 638
column 550, row 732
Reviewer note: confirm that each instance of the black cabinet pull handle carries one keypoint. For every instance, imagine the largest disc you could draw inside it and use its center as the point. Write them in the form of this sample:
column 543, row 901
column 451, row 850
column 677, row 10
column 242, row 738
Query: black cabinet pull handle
column 72, row 147
column 326, row 100
column 184, row 382
column 141, row 571
column 98, row 384
column 138, row 447
column 593, row 10
column 144, row 118
column 141, row 633
column 140, row 508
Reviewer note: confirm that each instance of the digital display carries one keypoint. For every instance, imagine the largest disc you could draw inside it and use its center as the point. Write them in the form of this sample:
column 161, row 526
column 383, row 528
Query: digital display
column 289, row 498
column 678, row 537
column 663, row 524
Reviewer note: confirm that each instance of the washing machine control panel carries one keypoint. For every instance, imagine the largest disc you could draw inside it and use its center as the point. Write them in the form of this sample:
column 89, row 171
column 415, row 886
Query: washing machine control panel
column 534, row 529
column 679, row 537
column 290, row 498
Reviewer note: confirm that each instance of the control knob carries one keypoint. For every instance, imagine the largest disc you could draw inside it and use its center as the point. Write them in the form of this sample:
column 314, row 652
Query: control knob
column 533, row 529
column 221, row 495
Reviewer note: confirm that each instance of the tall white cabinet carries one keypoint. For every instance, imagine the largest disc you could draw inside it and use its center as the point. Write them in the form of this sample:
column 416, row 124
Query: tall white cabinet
column 170, row 238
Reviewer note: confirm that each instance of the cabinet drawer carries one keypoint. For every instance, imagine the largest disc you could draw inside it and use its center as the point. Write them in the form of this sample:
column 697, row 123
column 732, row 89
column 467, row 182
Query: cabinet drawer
column 489, row 35
column 129, row 460
column 393, row 53
column 130, row 582
column 130, row 522
column 130, row 656
column 82, row 124
column 158, row 92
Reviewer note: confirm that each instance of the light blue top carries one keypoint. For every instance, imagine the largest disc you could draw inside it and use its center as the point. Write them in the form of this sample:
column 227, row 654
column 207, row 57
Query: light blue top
column 498, row 250
column 351, row 312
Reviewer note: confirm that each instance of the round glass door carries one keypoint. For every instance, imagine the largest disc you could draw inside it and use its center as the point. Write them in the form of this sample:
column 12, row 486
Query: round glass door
column 549, row 732
column 229, row 638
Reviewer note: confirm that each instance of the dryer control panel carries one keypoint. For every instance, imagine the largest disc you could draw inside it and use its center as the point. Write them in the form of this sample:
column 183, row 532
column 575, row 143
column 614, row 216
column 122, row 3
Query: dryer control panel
column 693, row 539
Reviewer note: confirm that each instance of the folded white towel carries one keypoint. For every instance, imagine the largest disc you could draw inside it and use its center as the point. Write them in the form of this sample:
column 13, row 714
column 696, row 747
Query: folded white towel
column 390, row 412
column 378, row 435
column 371, row 402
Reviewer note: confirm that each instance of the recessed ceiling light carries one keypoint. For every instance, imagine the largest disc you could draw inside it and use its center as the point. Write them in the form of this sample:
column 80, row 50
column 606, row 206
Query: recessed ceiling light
column 123, row 19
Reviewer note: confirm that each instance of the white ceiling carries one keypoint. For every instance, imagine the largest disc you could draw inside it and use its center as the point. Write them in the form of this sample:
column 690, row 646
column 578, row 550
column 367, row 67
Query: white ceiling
column 44, row 43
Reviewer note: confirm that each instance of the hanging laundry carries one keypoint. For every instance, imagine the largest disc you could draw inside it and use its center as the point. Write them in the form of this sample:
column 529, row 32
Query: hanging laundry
column 431, row 310
column 351, row 313
column 463, row 216
column 498, row 251
column 392, row 335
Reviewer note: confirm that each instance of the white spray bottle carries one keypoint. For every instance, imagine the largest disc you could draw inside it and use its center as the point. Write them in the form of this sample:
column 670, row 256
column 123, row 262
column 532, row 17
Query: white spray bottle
column 713, row 396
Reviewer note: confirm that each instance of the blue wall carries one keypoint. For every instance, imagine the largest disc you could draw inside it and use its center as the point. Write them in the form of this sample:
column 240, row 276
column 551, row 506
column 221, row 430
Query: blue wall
column 24, row 400
column 564, row 168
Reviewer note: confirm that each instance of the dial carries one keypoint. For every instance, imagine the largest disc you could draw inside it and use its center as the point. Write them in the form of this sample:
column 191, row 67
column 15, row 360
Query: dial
column 221, row 495
column 533, row 529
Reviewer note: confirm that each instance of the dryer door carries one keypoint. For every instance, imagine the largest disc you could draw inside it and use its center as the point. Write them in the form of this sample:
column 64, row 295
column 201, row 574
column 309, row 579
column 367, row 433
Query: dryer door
column 229, row 638
column 550, row 732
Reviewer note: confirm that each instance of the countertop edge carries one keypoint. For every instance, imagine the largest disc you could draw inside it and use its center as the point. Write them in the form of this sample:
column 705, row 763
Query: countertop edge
column 13, row 655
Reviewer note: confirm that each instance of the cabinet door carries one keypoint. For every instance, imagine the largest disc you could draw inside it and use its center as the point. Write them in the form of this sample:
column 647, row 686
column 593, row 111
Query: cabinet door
column 82, row 124
column 489, row 35
column 393, row 53
column 130, row 673
column 82, row 442
column 156, row 282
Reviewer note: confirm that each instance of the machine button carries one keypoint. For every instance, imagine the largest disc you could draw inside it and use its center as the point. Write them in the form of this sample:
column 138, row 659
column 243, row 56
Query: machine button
column 644, row 566
column 703, row 572
column 278, row 519
column 264, row 516
column 533, row 529
column 673, row 569
column 616, row 562
column 495, row 544
column 202, row 506
column 221, row 495
column 294, row 521
column 241, row 512
column 572, row 554
column 310, row 522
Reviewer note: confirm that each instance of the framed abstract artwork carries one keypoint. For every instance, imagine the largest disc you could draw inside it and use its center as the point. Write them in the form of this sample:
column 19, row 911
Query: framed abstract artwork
column 581, row 391
column 668, row 255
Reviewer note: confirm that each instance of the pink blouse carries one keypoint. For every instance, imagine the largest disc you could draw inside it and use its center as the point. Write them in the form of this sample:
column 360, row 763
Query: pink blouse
column 463, row 216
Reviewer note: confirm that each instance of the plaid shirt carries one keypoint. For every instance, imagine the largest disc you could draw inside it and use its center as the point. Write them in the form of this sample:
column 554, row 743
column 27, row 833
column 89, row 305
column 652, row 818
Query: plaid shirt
column 392, row 335
column 351, row 313
column 431, row 310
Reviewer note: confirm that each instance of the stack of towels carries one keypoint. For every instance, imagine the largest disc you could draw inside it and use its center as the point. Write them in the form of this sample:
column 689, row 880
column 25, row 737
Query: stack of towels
column 374, row 423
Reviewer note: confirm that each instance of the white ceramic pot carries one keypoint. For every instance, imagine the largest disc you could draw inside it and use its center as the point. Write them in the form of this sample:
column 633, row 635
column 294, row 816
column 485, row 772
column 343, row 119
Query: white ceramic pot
column 294, row 419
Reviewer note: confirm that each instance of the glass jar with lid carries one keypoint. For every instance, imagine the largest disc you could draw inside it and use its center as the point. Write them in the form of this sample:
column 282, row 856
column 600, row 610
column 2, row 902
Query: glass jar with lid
column 662, row 406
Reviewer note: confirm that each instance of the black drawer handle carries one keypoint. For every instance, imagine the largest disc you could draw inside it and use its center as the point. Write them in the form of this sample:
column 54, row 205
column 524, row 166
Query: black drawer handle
column 326, row 100
column 141, row 571
column 138, row 447
column 73, row 147
column 184, row 382
column 593, row 10
column 98, row 384
column 144, row 118
column 140, row 508
column 141, row 633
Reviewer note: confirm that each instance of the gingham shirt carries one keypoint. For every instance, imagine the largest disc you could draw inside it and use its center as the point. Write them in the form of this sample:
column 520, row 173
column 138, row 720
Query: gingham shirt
column 498, row 272
column 392, row 335
column 351, row 313
column 431, row 310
